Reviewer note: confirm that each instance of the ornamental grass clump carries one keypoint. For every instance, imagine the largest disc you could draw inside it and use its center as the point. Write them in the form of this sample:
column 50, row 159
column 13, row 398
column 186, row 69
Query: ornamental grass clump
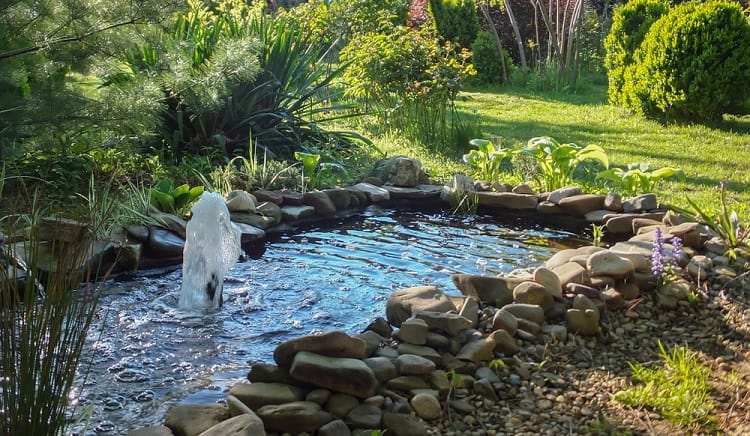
column 45, row 314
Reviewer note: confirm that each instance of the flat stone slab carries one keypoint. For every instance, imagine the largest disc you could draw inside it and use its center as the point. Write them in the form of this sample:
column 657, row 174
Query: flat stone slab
column 249, row 233
column 293, row 213
column 373, row 193
column 507, row 200
column 418, row 192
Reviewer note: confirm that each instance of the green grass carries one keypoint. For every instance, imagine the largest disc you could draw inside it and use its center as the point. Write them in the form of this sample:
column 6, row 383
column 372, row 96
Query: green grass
column 707, row 154
column 678, row 389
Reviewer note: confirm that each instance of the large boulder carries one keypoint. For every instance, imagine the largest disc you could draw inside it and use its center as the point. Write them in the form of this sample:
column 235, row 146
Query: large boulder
column 345, row 375
column 402, row 304
column 495, row 291
column 193, row 419
column 296, row 417
column 333, row 344
column 257, row 395
column 400, row 171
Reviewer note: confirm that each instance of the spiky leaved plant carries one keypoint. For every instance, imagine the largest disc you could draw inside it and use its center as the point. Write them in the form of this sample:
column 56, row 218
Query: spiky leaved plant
column 42, row 335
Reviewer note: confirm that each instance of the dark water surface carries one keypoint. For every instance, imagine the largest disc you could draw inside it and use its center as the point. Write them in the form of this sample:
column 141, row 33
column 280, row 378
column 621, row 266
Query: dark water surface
column 145, row 355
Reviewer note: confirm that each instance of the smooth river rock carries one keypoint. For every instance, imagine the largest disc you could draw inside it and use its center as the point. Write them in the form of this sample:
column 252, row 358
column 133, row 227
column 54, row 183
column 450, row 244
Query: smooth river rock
column 332, row 344
column 401, row 304
column 339, row 374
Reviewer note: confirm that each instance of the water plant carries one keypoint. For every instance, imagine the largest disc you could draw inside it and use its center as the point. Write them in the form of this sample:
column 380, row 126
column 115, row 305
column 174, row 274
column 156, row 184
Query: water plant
column 678, row 389
column 558, row 162
column 597, row 233
column 639, row 178
column 487, row 159
column 316, row 174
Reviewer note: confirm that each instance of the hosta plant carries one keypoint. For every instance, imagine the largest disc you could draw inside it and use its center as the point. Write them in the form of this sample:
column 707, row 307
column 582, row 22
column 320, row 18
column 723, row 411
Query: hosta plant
column 169, row 198
column 558, row 162
column 639, row 178
column 487, row 159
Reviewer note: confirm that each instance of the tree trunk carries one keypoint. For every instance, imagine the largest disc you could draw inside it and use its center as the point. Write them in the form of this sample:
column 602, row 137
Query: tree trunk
column 498, row 42
column 517, row 33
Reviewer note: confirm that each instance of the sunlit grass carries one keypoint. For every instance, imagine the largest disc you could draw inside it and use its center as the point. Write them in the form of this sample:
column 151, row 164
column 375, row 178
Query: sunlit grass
column 677, row 389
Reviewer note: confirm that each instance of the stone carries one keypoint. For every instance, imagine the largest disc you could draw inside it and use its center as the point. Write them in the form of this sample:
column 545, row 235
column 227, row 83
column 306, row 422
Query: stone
column 613, row 202
column 533, row 293
column 470, row 310
column 333, row 344
column 295, row 213
column 549, row 280
column 336, row 427
column 321, row 202
column 400, row 424
column 565, row 192
column 249, row 234
column 642, row 203
column 263, row 195
column 68, row 230
column 413, row 331
column 295, row 417
column 152, row 430
column 438, row 341
column 416, row 194
column 240, row 425
column 504, row 320
column 257, row 395
column 410, row 364
column 495, row 291
column 401, row 304
column 640, row 262
column 364, row 416
column 399, row 171
column 628, row 290
column 291, row 198
column 528, row 326
column 572, row 273
column 252, row 219
column 583, row 302
column 531, row 312
column 451, row 323
column 241, row 201
column 458, row 186
column 620, row 224
column 426, row 406
column 318, row 396
column 612, row 299
column 380, row 326
column 585, row 322
column 524, row 188
column 419, row 350
column 268, row 373
column 488, row 373
column 597, row 216
column 507, row 200
column 163, row 243
column 340, row 374
column 236, row 406
column 340, row 197
column 341, row 404
column 607, row 263
column 477, row 351
column 171, row 222
column 439, row 381
column 406, row 383
column 270, row 210
column 580, row 205
column 504, row 342
column 579, row 289
column 549, row 208
column 484, row 389
column 564, row 256
column 193, row 419
column 558, row 332
column 138, row 233
column 372, row 341
column 383, row 368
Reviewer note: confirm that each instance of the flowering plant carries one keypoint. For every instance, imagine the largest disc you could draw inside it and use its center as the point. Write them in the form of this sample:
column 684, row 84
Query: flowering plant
column 663, row 267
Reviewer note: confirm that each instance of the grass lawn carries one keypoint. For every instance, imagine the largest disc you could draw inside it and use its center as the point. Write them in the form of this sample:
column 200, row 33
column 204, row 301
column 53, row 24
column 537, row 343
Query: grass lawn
column 707, row 155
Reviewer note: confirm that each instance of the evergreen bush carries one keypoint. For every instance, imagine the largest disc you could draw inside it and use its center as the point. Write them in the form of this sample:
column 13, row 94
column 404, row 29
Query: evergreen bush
column 487, row 61
column 630, row 24
column 455, row 20
column 693, row 64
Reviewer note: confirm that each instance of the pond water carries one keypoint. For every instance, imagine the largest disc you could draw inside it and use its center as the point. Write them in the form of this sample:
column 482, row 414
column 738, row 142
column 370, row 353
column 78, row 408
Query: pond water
column 144, row 355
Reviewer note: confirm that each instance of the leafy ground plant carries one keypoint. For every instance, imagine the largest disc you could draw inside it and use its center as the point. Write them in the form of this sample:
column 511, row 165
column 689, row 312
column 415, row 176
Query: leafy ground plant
column 639, row 178
column 487, row 159
column 725, row 222
column 678, row 389
column 557, row 162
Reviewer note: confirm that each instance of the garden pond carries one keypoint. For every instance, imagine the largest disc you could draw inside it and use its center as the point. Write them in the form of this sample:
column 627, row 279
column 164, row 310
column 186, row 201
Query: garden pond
column 145, row 355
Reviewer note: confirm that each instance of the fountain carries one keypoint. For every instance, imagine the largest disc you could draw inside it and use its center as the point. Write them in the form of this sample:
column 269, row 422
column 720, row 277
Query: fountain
column 212, row 246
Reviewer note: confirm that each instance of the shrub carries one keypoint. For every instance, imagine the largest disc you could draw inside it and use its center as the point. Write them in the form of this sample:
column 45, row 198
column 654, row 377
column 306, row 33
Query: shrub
column 486, row 60
column 455, row 20
column 630, row 24
column 410, row 78
column 694, row 64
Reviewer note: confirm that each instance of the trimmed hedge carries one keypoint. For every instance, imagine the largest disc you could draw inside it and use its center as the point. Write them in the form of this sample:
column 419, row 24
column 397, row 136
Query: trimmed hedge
column 693, row 64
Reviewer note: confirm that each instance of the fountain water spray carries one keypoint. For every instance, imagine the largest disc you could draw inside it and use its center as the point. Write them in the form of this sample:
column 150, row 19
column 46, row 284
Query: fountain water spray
column 212, row 246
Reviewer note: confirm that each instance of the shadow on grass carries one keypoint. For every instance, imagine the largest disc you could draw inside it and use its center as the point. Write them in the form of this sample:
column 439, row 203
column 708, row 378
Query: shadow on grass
column 593, row 94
